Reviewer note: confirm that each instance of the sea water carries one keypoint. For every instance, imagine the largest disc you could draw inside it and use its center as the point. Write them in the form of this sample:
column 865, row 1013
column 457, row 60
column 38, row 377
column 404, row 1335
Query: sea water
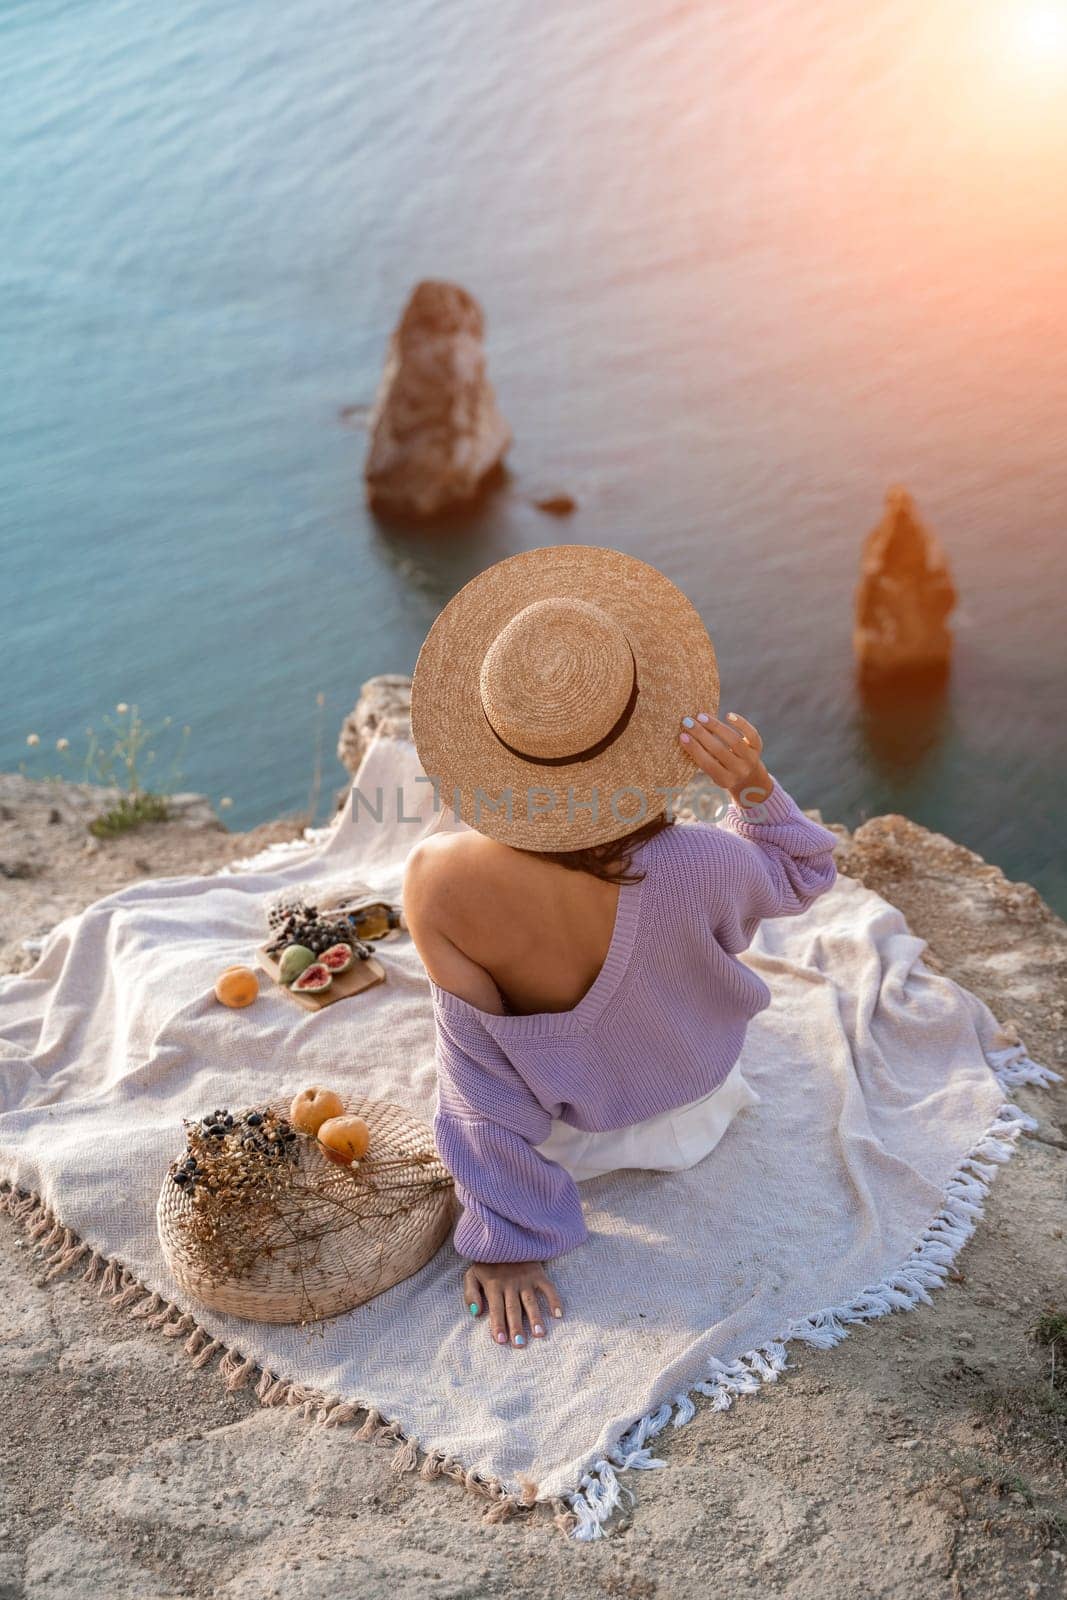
column 743, row 267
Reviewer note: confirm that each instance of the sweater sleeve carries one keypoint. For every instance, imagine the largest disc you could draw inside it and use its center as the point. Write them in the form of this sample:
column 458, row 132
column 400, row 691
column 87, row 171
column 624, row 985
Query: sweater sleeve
column 516, row 1204
column 774, row 862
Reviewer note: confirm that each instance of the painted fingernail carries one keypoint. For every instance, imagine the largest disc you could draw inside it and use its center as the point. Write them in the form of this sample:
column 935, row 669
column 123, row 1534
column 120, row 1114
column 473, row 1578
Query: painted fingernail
column 687, row 722
column 520, row 1338
column 538, row 1330
column 684, row 738
column 558, row 1311
column 731, row 716
column 474, row 1308
column 702, row 716
column 501, row 1337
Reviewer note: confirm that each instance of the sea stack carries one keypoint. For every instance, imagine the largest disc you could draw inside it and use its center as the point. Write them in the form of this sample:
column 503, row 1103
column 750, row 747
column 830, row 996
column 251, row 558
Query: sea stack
column 384, row 706
column 904, row 597
column 435, row 430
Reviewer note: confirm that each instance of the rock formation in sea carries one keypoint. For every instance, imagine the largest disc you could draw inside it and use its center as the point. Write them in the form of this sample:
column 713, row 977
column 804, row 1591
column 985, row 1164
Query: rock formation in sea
column 554, row 502
column 436, row 431
column 905, row 595
column 384, row 706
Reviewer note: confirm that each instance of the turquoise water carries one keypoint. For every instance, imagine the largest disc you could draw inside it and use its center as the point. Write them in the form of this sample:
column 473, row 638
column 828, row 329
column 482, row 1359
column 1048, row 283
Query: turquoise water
column 743, row 268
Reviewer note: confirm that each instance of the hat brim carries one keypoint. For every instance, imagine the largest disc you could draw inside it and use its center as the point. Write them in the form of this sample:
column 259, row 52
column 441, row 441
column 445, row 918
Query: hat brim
column 633, row 779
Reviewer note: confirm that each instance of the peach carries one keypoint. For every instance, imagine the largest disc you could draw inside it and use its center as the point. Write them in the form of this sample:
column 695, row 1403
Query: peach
column 344, row 1139
column 312, row 1107
column 237, row 986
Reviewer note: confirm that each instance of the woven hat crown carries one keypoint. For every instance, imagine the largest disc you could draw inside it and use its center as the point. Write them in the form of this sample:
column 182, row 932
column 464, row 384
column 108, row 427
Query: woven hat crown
column 546, row 696
column 557, row 678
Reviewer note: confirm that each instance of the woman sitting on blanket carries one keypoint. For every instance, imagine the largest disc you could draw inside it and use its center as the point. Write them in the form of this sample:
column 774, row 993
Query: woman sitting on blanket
column 582, row 944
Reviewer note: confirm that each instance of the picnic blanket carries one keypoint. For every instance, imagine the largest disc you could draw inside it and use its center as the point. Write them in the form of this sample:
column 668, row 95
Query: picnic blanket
column 843, row 1195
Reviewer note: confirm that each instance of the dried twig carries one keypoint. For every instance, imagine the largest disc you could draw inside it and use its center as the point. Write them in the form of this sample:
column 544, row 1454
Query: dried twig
column 253, row 1190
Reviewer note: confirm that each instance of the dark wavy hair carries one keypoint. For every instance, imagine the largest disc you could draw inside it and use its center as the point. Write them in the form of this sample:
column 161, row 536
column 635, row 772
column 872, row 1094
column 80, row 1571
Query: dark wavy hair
column 609, row 861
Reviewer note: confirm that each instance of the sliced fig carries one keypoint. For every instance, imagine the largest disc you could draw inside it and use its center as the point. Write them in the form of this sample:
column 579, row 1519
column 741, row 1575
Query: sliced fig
column 338, row 958
column 313, row 979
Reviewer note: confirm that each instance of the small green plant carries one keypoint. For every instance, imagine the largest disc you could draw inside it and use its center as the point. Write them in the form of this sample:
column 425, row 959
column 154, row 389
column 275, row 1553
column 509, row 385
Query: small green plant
column 1051, row 1329
column 130, row 812
column 119, row 756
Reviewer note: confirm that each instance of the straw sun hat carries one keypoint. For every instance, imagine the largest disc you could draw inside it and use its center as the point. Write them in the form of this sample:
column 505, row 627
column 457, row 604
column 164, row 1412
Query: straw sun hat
column 554, row 682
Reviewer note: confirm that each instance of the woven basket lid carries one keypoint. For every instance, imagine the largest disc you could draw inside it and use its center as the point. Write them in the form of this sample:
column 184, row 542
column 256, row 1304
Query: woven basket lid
column 359, row 1230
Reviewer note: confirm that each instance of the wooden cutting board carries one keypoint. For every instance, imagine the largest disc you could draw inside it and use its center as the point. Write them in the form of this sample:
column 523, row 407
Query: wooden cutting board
column 360, row 975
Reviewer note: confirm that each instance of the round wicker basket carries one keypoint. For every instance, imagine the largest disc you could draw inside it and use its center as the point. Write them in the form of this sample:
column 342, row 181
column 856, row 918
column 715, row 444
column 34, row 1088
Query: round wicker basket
column 357, row 1231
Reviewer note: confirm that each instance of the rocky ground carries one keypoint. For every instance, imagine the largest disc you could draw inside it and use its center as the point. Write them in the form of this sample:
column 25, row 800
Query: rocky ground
column 923, row 1457
column 51, row 865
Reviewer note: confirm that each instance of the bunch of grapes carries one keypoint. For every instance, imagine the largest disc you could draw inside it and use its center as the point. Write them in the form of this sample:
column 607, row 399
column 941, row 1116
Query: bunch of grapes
column 316, row 933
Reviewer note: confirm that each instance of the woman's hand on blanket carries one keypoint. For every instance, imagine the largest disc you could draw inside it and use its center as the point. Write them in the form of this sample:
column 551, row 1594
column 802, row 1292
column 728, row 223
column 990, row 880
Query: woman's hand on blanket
column 730, row 753
column 510, row 1289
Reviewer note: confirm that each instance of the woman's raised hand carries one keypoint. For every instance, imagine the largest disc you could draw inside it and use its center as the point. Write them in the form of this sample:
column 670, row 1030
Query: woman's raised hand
column 509, row 1289
column 730, row 753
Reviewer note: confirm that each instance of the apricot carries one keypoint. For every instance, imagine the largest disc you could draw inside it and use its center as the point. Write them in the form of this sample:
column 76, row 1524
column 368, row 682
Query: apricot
column 344, row 1139
column 312, row 1107
column 237, row 986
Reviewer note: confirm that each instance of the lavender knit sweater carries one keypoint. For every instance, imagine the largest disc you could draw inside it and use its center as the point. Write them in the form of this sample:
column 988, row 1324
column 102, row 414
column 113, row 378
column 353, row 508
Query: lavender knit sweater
column 662, row 1024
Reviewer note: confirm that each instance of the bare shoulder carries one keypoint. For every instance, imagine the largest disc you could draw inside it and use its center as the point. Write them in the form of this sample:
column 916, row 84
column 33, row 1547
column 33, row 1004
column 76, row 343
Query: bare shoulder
column 443, row 864
column 443, row 890
column 462, row 880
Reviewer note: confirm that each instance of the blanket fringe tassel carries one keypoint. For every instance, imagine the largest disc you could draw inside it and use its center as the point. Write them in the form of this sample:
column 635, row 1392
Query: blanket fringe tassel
column 583, row 1513
column 930, row 1264
column 60, row 1250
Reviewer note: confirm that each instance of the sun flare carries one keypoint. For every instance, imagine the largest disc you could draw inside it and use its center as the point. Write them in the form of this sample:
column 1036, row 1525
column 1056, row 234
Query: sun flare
column 1038, row 35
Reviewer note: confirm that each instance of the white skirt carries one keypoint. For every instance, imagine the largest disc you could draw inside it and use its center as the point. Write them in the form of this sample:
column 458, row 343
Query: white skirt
column 667, row 1142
